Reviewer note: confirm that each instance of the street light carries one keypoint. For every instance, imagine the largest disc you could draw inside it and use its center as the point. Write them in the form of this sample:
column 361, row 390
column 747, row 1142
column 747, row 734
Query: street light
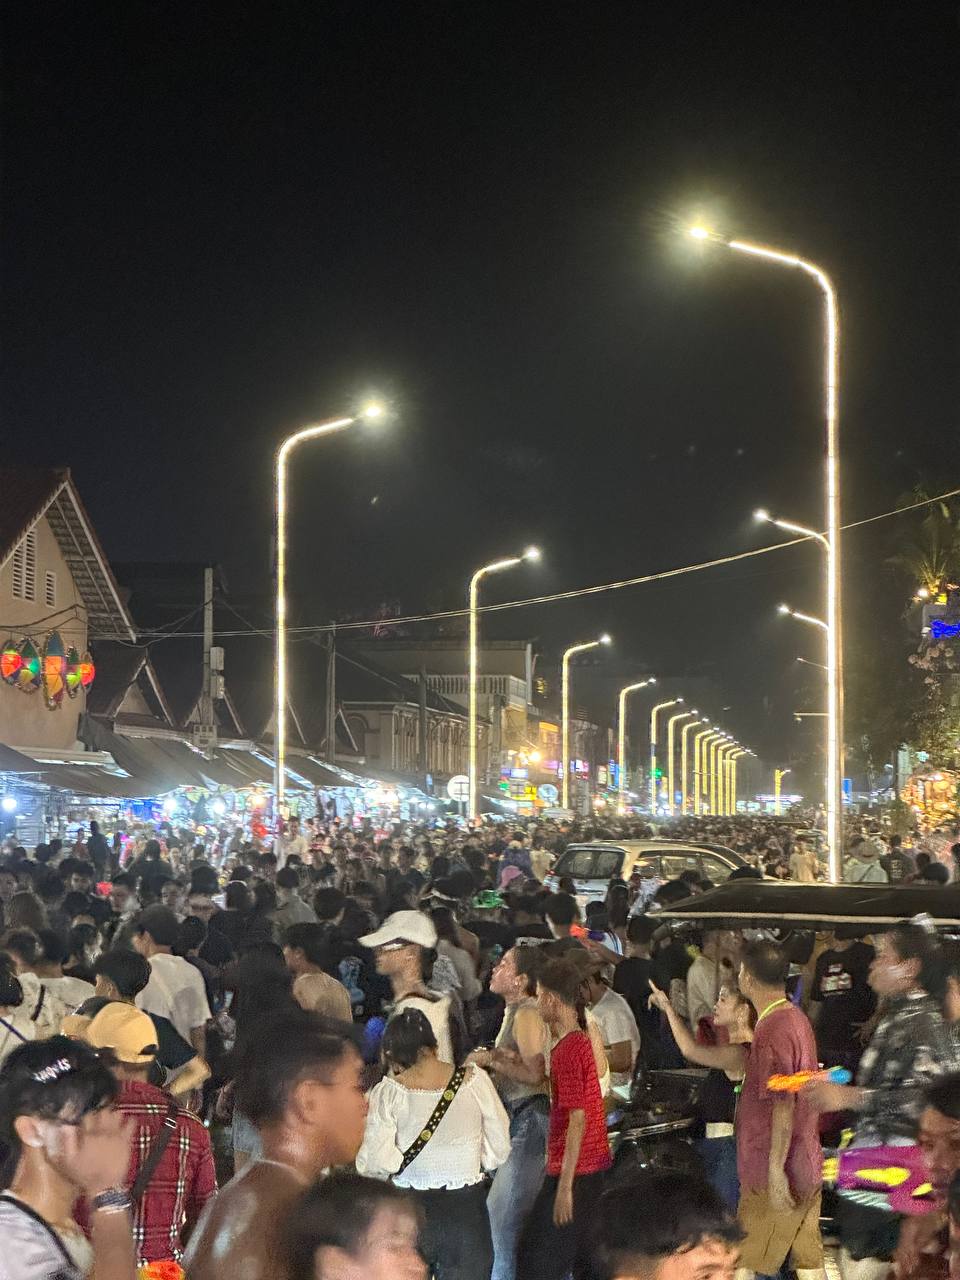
column 699, row 755
column 715, row 746
column 803, row 617
column 683, row 761
column 671, row 757
column 831, row 378
column 723, row 758
column 565, row 709
column 764, row 516
column 778, row 777
column 531, row 553
column 742, row 751
column 661, row 706
column 622, row 738
column 807, row 663
column 368, row 413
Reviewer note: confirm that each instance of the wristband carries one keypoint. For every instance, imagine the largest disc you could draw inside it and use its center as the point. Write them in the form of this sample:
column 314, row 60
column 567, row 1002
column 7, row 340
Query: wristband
column 113, row 1200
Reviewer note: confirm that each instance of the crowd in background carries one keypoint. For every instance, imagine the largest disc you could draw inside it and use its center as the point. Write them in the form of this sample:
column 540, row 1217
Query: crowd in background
column 413, row 1009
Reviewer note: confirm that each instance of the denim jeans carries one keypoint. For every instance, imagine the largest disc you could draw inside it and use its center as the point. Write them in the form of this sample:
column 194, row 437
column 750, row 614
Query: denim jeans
column 516, row 1183
column 719, row 1157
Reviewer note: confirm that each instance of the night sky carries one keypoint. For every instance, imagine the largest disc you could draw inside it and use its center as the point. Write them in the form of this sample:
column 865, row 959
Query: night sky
column 222, row 222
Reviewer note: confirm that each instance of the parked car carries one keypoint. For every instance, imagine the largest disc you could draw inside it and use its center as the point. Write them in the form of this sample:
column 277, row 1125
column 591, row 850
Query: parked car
column 592, row 866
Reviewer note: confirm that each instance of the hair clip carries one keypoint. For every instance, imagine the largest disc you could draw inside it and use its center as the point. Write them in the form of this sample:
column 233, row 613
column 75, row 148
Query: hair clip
column 46, row 1075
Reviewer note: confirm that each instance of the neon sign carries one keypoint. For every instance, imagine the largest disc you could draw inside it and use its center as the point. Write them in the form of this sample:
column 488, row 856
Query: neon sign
column 940, row 630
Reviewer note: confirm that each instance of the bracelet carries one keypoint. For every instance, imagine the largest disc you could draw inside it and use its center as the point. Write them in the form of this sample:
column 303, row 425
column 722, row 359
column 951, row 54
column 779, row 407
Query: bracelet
column 113, row 1200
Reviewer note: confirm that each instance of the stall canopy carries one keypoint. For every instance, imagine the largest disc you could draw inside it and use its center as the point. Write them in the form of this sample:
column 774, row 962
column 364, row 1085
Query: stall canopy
column 15, row 762
column 94, row 783
column 771, row 904
column 313, row 771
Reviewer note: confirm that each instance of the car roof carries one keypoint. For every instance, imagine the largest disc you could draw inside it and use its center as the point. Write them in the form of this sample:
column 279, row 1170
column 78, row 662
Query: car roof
column 657, row 846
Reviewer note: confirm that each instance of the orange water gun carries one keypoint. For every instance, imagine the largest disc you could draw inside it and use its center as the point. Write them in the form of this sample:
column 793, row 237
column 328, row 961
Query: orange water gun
column 794, row 1083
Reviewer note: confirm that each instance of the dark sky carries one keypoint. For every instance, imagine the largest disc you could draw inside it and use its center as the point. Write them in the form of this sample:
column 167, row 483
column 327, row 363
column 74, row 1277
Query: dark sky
column 221, row 222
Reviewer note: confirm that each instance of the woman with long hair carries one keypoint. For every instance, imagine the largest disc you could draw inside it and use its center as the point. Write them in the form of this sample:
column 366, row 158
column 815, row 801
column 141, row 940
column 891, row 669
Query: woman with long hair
column 64, row 1142
column 467, row 1135
column 578, row 1151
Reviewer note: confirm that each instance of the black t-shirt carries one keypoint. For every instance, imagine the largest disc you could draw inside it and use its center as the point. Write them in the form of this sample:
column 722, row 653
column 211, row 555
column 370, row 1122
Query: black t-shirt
column 898, row 865
column 631, row 979
column 840, row 983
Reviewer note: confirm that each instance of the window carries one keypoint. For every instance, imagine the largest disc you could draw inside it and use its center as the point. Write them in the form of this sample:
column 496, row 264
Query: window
column 715, row 868
column 608, row 864
column 577, row 863
column 50, row 589
column 25, row 568
column 674, row 864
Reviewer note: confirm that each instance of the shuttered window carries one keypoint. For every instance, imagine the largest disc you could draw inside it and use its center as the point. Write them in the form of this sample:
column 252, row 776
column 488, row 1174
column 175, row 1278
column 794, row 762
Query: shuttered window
column 25, row 568
column 50, row 589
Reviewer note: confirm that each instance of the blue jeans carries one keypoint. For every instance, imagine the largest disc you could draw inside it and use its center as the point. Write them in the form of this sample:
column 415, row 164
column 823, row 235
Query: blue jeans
column 516, row 1184
column 719, row 1157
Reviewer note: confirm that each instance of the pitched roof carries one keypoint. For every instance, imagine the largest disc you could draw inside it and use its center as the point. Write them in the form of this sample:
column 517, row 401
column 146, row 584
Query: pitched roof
column 30, row 493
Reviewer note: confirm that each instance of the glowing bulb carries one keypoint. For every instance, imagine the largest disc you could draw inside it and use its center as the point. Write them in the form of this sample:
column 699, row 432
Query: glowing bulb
column 8, row 804
column 372, row 410
column 169, row 804
column 694, row 711
column 535, row 756
column 783, row 608
column 699, row 233
column 679, row 699
column 761, row 513
column 532, row 553
column 923, row 593
column 219, row 807
column 605, row 639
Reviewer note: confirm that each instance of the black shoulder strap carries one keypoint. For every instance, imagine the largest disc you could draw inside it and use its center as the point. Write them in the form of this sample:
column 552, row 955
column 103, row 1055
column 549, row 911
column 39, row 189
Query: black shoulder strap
column 12, row 1031
column 155, row 1154
column 36, row 1013
column 430, row 1128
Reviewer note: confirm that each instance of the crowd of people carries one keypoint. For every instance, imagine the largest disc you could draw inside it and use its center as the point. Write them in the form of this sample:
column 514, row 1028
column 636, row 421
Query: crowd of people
column 397, row 1053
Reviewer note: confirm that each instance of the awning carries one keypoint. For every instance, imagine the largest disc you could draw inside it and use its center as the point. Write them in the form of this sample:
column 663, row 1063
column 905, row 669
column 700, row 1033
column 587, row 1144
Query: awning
column 773, row 904
column 219, row 769
column 16, row 762
column 93, row 782
column 314, row 772
column 140, row 757
column 255, row 770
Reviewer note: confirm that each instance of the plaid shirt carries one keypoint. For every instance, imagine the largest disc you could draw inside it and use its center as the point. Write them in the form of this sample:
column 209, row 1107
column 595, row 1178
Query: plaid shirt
column 182, row 1182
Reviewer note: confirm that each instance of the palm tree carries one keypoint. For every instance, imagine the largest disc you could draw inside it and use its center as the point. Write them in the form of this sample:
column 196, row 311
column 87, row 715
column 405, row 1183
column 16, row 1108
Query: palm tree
column 931, row 553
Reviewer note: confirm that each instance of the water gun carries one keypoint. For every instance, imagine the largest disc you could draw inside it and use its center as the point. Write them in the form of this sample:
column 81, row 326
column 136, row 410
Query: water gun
column 900, row 1173
column 794, row 1083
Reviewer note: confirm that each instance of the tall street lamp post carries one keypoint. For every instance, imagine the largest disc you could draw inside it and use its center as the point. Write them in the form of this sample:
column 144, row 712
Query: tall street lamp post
column 684, row 760
column 565, row 709
column 830, row 381
column 671, row 758
column 699, row 766
column 622, row 739
column 654, row 712
column 778, row 777
column 281, row 463
column 723, row 760
column 741, row 751
column 715, row 746
column 497, row 566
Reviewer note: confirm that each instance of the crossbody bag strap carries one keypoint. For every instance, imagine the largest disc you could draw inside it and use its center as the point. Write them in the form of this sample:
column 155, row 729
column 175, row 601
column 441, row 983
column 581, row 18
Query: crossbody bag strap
column 430, row 1128
column 36, row 1013
column 155, row 1154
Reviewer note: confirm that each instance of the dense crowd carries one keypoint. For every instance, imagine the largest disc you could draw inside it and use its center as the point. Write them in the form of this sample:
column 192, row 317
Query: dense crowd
column 398, row 1053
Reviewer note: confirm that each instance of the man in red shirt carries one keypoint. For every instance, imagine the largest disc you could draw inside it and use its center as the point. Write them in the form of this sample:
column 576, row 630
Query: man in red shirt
column 779, row 1157
column 182, row 1179
column 578, row 1151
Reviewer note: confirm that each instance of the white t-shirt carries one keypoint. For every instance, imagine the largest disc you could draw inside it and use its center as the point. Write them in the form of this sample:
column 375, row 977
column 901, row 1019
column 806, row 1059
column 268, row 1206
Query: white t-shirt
column 71, row 992
column 703, row 982
column 617, row 1023
column 176, row 992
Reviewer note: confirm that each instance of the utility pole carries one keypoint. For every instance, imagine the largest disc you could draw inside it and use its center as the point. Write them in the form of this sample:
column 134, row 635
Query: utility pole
column 205, row 736
column 332, row 696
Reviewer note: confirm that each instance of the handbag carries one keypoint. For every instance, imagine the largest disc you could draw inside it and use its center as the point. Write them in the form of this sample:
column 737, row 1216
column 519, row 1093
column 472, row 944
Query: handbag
column 155, row 1154
column 430, row 1128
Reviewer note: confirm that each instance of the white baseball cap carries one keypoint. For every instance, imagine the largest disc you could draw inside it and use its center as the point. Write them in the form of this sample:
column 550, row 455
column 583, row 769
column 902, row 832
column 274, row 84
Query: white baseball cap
column 403, row 926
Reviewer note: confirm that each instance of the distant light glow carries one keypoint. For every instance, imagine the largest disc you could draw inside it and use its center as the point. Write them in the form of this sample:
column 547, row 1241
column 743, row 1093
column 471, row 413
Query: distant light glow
column 8, row 804
column 532, row 553
column 699, row 233
column 372, row 410
column 761, row 513
column 783, row 608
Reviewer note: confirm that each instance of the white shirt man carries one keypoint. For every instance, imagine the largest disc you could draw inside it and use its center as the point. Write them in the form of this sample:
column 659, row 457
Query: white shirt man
column 176, row 989
column 618, row 1027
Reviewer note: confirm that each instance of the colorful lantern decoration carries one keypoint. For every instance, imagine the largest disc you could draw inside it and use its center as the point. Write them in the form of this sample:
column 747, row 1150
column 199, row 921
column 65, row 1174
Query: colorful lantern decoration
column 73, row 672
column 86, row 671
column 54, row 670
column 30, row 674
column 10, row 661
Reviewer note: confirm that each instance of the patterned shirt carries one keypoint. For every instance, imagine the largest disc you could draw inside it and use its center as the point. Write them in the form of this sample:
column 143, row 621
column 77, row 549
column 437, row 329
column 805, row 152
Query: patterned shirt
column 182, row 1182
column 911, row 1046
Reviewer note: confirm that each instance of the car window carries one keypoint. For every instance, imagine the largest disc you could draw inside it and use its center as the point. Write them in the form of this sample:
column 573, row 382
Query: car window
column 715, row 868
column 645, row 862
column 607, row 864
column 674, row 864
column 577, row 863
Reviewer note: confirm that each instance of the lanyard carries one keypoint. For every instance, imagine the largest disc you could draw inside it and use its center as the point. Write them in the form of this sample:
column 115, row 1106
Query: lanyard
column 770, row 1007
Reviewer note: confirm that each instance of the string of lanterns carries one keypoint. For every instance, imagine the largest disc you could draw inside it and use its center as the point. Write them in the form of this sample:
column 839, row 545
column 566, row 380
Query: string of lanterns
column 57, row 670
